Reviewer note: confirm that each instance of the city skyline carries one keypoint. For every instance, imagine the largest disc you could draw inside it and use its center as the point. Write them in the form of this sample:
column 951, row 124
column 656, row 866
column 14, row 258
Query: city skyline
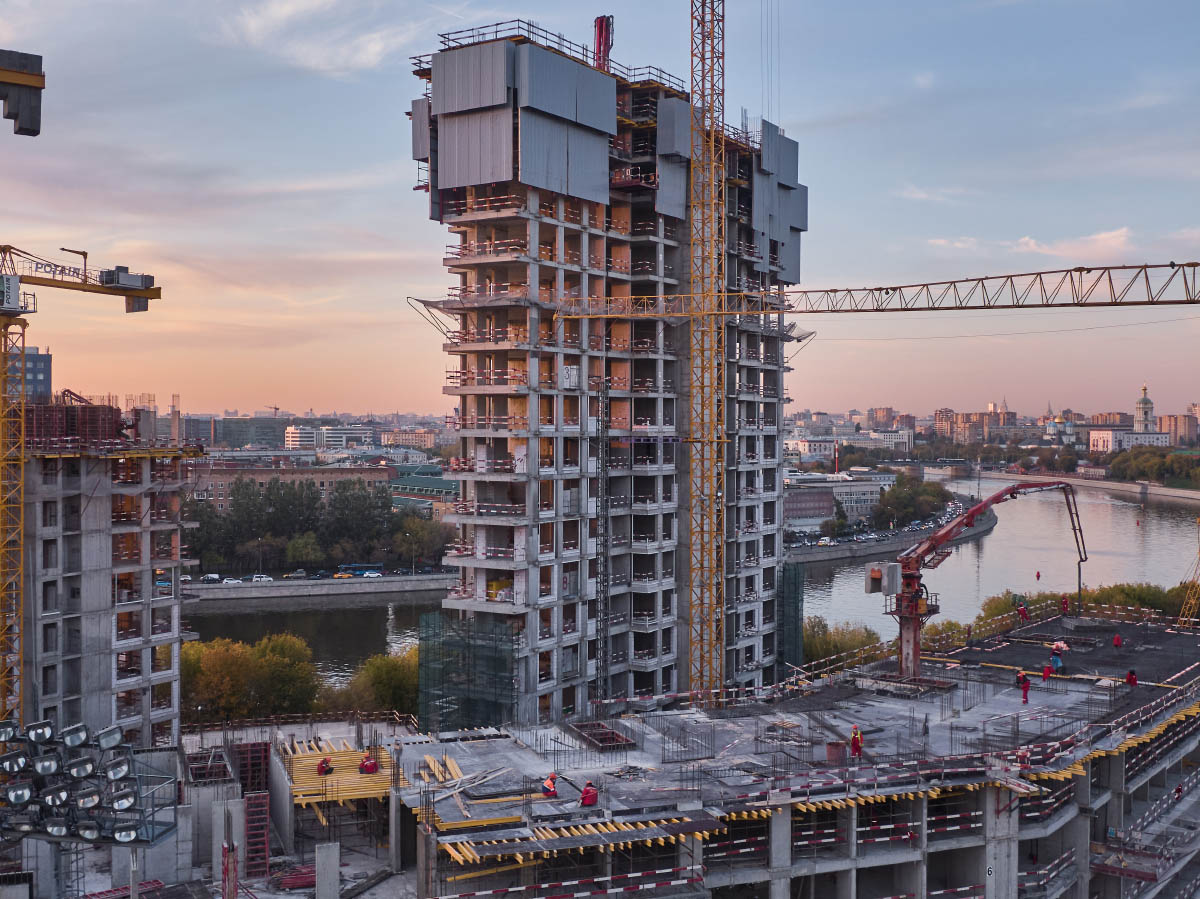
column 286, row 250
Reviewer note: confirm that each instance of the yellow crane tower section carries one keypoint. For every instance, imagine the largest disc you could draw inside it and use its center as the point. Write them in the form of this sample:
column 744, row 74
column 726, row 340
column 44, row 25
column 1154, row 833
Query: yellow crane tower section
column 19, row 271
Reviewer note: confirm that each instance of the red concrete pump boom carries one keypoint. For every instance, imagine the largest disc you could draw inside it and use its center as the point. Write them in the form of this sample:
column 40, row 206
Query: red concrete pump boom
column 913, row 605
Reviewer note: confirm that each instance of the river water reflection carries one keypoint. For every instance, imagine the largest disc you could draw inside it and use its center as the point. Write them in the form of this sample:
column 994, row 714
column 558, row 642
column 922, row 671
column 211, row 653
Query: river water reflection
column 1126, row 542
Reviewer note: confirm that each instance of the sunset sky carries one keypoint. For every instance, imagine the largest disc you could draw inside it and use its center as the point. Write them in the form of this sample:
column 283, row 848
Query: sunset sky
column 254, row 157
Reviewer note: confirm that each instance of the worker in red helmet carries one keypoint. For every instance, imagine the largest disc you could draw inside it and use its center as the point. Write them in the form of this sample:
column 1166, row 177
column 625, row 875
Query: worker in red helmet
column 590, row 795
column 1047, row 670
column 1131, row 678
column 1066, row 604
column 550, row 786
column 325, row 767
column 1117, row 641
column 368, row 765
column 1023, row 611
column 1024, row 689
column 856, row 742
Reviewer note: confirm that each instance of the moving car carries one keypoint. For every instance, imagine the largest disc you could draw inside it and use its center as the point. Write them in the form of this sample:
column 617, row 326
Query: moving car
column 211, row 579
column 262, row 579
column 231, row 580
column 372, row 574
column 298, row 574
column 185, row 578
column 342, row 575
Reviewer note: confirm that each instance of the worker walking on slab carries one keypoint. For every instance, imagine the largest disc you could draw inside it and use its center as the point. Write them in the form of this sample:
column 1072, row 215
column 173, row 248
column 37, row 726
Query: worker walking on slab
column 1024, row 680
column 1066, row 605
column 856, row 742
column 1131, row 678
column 1023, row 611
column 550, row 786
column 590, row 795
column 1117, row 641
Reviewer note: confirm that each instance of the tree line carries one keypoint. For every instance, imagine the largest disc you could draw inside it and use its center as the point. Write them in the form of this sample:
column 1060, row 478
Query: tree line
column 227, row 680
column 287, row 525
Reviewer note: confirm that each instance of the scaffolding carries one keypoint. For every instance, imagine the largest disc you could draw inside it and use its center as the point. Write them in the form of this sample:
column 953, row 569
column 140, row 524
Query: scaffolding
column 468, row 675
column 790, row 613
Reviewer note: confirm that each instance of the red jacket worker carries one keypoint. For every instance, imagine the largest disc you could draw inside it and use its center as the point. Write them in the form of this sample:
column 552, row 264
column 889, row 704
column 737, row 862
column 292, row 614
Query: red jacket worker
column 589, row 795
column 1131, row 678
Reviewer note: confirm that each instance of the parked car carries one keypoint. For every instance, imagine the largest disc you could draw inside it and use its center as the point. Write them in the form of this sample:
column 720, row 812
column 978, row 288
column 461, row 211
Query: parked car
column 372, row 574
column 162, row 583
column 342, row 575
column 319, row 575
column 231, row 580
column 298, row 574
column 262, row 579
column 185, row 578
column 211, row 579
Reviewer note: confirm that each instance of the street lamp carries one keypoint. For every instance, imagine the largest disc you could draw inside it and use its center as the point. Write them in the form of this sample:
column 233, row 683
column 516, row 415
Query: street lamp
column 412, row 551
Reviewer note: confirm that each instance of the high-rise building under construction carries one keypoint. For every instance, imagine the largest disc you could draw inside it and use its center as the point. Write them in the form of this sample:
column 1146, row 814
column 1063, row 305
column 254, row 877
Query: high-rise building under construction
column 563, row 179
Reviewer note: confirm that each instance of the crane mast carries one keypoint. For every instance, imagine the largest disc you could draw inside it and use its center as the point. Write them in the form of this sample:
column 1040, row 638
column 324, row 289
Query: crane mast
column 706, row 428
column 19, row 269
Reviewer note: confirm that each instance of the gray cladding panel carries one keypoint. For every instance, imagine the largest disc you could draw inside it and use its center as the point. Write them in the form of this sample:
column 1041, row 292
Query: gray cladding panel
column 789, row 258
column 789, row 162
column 544, row 151
column 567, row 89
column 793, row 207
column 475, row 77
column 674, row 127
column 596, row 101
column 547, row 82
column 420, row 129
column 769, row 160
column 587, row 164
column 475, row 148
column 764, row 203
column 671, row 197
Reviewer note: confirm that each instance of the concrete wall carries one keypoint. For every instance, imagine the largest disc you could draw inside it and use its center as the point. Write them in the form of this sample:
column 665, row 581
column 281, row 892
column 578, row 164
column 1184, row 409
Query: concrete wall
column 283, row 812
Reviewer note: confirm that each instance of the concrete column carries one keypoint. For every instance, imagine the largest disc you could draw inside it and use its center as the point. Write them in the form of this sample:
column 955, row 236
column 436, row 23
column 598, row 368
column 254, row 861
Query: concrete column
column 847, row 883
column 236, row 832
column 1001, row 818
column 329, row 879
column 395, row 812
column 780, row 840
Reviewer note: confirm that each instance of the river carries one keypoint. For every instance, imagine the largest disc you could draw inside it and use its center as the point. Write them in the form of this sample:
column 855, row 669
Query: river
column 1126, row 542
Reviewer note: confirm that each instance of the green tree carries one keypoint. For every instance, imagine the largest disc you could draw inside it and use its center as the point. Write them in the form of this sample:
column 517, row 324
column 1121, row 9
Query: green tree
column 391, row 680
column 822, row 640
column 910, row 500
column 284, row 680
column 216, row 680
column 304, row 551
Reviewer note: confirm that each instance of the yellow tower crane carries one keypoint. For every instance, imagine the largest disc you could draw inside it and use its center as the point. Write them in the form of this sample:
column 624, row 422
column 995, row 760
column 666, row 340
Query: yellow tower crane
column 20, row 270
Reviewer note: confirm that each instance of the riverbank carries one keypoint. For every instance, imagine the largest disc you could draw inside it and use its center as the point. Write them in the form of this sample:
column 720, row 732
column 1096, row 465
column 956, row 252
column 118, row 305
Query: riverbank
column 1138, row 492
column 324, row 595
column 844, row 552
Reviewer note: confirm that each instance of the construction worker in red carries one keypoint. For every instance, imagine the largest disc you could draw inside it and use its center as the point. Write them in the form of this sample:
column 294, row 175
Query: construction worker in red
column 1131, row 678
column 368, row 765
column 324, row 767
column 1117, row 641
column 1024, row 690
column 1066, row 604
column 856, row 742
column 1047, row 670
column 1023, row 611
column 550, row 786
column 590, row 795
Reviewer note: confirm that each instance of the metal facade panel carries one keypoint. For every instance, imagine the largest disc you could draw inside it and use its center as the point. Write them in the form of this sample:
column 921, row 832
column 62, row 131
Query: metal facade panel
column 769, row 159
column 475, row 147
column 788, row 171
column 671, row 197
column 793, row 207
column 420, row 129
column 587, row 164
column 763, row 204
column 544, row 151
column 596, row 100
column 789, row 258
column 674, row 127
column 548, row 82
column 763, row 245
column 475, row 77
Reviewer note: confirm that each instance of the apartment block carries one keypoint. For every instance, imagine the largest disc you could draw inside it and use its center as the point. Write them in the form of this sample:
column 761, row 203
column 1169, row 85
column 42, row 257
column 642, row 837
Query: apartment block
column 104, row 550
column 564, row 189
